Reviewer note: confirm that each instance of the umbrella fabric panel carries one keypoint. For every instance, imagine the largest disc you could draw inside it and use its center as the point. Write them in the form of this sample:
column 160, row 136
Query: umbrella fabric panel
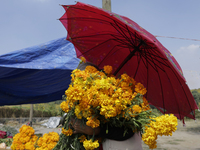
column 37, row 74
column 105, row 25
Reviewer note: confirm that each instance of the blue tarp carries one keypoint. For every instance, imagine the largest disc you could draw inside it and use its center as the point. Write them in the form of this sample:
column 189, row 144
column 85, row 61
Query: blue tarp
column 37, row 74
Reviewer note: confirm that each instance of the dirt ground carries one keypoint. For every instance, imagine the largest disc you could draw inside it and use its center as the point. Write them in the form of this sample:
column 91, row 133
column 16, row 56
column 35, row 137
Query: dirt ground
column 185, row 138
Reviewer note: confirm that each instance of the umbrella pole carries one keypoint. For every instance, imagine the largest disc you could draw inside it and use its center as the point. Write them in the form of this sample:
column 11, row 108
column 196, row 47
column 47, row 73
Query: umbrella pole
column 132, row 53
column 106, row 4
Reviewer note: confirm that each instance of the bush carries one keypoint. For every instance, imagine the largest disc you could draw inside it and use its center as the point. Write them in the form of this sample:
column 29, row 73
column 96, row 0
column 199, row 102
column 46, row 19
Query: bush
column 39, row 110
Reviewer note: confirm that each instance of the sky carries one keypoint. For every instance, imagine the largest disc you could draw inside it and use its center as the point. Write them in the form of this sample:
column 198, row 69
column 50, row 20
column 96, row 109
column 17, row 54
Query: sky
column 26, row 23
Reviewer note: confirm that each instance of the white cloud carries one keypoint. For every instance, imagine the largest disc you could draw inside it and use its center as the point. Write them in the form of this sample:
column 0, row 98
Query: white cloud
column 190, row 49
column 188, row 57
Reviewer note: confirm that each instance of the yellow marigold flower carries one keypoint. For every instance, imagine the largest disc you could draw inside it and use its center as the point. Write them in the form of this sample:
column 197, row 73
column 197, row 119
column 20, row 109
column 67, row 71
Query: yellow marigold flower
column 136, row 109
column 68, row 132
column 107, row 69
column 83, row 59
column 78, row 112
column 25, row 138
column 128, row 80
column 145, row 105
column 34, row 138
column 82, row 138
column 84, row 103
column 74, row 93
column 125, row 77
column 55, row 136
column 108, row 111
column 92, row 122
column 93, row 95
column 44, row 145
column 30, row 146
column 27, row 129
column 40, row 141
column 51, row 145
column 118, row 104
column 133, row 95
column 86, row 113
column 102, row 84
column 89, row 145
column 139, row 88
column 77, row 73
column 91, row 69
column 127, row 95
column 22, row 146
column 124, row 85
column 150, row 137
column 101, row 74
column 65, row 106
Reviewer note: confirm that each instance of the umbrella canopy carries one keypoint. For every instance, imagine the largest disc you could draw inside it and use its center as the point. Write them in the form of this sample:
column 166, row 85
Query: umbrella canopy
column 105, row 38
column 37, row 74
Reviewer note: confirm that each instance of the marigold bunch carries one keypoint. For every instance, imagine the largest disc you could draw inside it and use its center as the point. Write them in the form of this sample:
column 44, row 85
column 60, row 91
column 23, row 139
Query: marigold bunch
column 163, row 125
column 97, row 98
column 25, row 139
column 48, row 141
column 91, row 89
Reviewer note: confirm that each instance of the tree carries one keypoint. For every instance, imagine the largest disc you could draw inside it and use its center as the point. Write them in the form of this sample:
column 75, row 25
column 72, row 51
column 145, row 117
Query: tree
column 196, row 96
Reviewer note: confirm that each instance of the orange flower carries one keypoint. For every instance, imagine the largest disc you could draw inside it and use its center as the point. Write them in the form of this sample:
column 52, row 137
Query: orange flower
column 82, row 138
column 92, row 122
column 139, row 88
column 107, row 69
column 145, row 105
column 68, row 132
column 83, row 59
column 91, row 69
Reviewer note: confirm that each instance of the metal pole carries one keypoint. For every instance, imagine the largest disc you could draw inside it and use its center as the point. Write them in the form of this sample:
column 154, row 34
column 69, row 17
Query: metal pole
column 106, row 4
column 20, row 114
column 31, row 115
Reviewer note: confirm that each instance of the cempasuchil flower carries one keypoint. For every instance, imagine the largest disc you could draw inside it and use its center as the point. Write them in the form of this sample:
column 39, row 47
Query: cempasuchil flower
column 107, row 69
column 139, row 88
column 65, row 106
column 91, row 69
column 83, row 59
column 82, row 138
column 89, row 145
column 136, row 109
column 68, row 132
column 92, row 122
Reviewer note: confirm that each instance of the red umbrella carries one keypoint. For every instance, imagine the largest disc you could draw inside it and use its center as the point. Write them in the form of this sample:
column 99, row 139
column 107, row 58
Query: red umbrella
column 105, row 38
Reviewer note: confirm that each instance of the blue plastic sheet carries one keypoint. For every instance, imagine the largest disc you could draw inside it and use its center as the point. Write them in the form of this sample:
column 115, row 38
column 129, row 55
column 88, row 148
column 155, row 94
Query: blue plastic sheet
column 37, row 74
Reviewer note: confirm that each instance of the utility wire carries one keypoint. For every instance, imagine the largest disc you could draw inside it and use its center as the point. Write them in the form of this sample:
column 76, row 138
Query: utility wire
column 177, row 38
